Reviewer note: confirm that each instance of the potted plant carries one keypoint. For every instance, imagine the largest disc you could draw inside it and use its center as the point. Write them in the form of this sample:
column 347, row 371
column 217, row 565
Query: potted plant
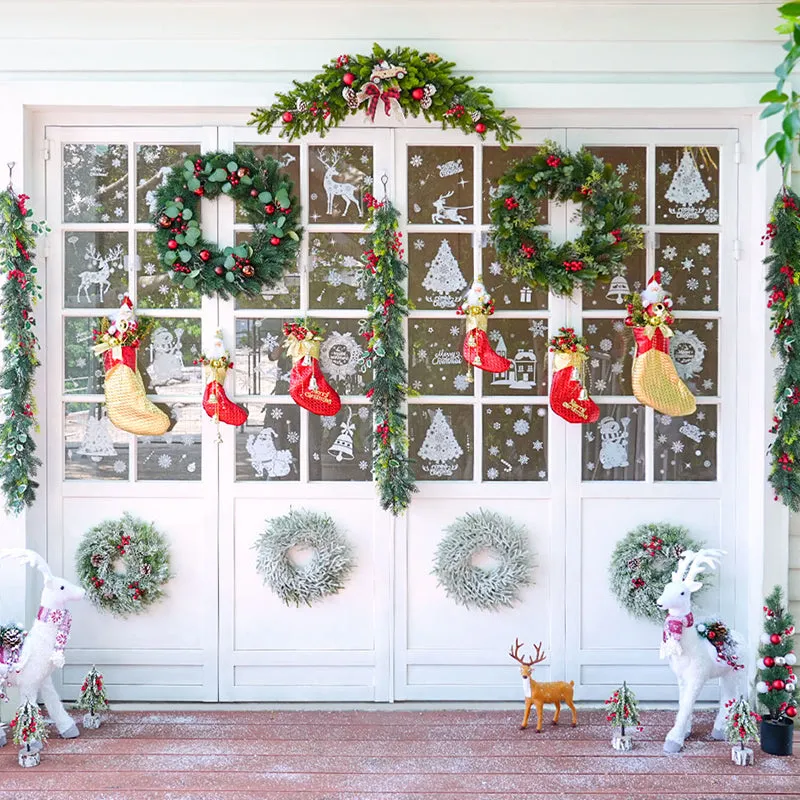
column 30, row 733
column 92, row 698
column 740, row 729
column 623, row 711
column 776, row 682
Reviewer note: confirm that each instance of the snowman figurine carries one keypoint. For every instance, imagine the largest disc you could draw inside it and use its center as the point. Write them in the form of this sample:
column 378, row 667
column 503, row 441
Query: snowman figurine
column 166, row 362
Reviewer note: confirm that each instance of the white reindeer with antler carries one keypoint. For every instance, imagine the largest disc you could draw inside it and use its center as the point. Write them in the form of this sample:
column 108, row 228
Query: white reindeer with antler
column 695, row 656
column 43, row 649
column 333, row 188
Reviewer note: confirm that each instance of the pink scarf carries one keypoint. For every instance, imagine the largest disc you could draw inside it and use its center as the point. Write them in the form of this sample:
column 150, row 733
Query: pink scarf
column 62, row 619
column 673, row 626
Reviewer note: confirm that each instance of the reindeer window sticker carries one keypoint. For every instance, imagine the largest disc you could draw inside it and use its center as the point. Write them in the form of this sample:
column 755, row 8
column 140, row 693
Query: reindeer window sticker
column 440, row 185
column 338, row 179
column 96, row 269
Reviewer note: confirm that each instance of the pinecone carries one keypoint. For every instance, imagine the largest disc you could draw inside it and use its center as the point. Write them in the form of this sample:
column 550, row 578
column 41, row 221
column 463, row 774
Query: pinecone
column 475, row 116
column 634, row 564
column 96, row 560
column 678, row 550
column 146, row 569
column 12, row 638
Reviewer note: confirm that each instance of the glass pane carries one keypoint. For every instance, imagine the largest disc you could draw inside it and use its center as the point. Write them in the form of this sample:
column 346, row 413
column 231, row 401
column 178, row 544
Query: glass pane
column 440, row 269
column 268, row 444
column 440, row 189
column 335, row 271
column 284, row 294
column 153, row 163
column 630, row 164
column 338, row 179
column 694, row 349
column 524, row 343
column 614, row 447
column 287, row 155
column 687, row 185
column 165, row 358
column 95, row 269
column 691, row 269
column 340, row 354
column 610, row 356
column 685, row 448
column 155, row 287
column 340, row 447
column 176, row 455
column 83, row 370
column 507, row 292
column 514, row 443
column 95, row 183
column 262, row 366
column 496, row 163
column 93, row 448
column 437, row 365
column 441, row 442
column 610, row 295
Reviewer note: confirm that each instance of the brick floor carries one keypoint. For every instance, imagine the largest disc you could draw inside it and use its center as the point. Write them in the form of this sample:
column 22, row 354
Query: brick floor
column 385, row 755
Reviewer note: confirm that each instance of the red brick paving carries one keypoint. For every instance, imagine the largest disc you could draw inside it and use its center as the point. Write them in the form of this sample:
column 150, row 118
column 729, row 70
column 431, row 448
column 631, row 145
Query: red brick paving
column 385, row 755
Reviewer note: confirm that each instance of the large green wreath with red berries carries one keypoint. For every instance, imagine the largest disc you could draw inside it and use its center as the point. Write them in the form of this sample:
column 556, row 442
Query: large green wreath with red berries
column 418, row 84
column 262, row 192
column 607, row 214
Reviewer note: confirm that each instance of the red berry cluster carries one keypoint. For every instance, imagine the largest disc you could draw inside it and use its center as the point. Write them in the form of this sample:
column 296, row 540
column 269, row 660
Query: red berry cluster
column 567, row 341
column 19, row 276
column 137, row 590
column 511, row 203
column 297, row 330
column 22, row 251
column 655, row 545
column 786, row 462
column 573, row 266
column 528, row 250
column 370, row 201
column 124, row 541
column 777, row 296
column 21, row 204
column 638, row 583
column 97, row 582
column 587, row 191
column 553, row 161
column 772, row 229
column 782, row 325
column 388, row 302
column 617, row 234
column 789, row 203
column 342, row 60
column 383, row 431
column 456, row 111
column 371, row 261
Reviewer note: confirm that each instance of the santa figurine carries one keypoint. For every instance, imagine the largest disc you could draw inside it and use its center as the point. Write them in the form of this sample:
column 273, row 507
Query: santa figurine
column 216, row 362
column 477, row 308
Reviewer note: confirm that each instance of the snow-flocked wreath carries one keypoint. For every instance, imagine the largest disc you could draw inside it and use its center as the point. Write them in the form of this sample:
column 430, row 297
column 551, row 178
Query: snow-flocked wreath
column 326, row 571
column 642, row 565
column 471, row 585
column 123, row 564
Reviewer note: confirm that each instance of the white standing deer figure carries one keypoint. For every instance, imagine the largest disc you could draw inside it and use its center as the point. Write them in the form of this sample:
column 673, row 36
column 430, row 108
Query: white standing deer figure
column 333, row 188
column 444, row 213
column 693, row 658
column 99, row 276
column 43, row 649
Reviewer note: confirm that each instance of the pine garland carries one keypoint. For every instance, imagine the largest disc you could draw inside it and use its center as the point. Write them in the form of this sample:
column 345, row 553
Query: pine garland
column 776, row 680
column 422, row 84
column 20, row 290
column 783, row 276
column 384, row 278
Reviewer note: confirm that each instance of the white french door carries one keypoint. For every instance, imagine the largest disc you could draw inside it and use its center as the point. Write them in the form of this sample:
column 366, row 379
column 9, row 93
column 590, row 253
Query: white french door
column 392, row 633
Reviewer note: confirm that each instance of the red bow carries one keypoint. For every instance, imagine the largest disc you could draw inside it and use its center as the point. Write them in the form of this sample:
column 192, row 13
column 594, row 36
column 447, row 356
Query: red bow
column 373, row 93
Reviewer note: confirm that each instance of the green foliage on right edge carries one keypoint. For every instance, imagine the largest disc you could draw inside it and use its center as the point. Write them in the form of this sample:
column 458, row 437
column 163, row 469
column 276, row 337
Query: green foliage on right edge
column 777, row 660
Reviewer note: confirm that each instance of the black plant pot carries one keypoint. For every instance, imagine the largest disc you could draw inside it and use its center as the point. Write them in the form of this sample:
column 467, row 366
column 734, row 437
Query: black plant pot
column 776, row 736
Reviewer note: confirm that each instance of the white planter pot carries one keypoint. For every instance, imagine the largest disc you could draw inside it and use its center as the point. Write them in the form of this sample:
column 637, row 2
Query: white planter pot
column 741, row 757
column 27, row 759
column 622, row 742
column 91, row 721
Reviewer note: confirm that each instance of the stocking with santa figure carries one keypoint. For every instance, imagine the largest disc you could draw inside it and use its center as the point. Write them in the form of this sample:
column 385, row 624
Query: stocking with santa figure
column 307, row 385
column 568, row 396
column 216, row 403
column 477, row 350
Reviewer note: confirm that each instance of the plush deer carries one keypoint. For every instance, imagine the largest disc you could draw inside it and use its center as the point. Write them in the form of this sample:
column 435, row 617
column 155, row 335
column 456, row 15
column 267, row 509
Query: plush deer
column 537, row 694
column 43, row 649
column 693, row 657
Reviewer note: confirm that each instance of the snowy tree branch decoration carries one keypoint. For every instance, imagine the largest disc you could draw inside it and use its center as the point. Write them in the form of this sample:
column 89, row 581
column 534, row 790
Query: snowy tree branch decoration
column 325, row 574
column 473, row 586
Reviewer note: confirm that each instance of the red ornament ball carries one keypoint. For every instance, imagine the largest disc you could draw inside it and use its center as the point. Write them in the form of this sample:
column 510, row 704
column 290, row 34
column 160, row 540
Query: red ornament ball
column 172, row 244
column 480, row 127
column 287, row 116
column 712, row 635
column 348, row 79
column 791, row 711
column 778, row 685
column 769, row 662
column 418, row 93
column 274, row 240
column 269, row 208
column 775, row 638
column 204, row 255
column 254, row 193
column 199, row 191
column 219, row 270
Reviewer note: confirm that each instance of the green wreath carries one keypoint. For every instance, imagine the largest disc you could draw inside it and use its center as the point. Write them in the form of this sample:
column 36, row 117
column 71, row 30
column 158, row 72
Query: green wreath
column 474, row 586
column 129, row 543
column 323, row 575
column 609, row 233
column 265, row 196
column 642, row 565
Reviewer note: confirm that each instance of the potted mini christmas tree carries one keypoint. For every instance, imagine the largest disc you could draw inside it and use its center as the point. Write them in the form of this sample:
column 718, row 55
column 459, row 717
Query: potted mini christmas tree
column 623, row 711
column 93, row 698
column 30, row 733
column 740, row 729
column 776, row 682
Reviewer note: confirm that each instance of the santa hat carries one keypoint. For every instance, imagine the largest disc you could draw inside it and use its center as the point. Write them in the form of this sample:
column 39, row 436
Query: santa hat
column 654, row 293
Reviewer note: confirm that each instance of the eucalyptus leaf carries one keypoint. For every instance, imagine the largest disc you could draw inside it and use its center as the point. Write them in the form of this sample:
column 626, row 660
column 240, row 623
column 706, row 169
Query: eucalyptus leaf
column 189, row 282
column 293, row 235
column 226, row 188
column 246, row 180
column 218, row 175
column 187, row 214
column 230, row 277
column 171, row 257
column 229, row 262
column 192, row 183
column 281, row 222
column 185, row 256
column 282, row 198
column 232, row 166
column 172, row 211
column 188, row 164
column 265, row 197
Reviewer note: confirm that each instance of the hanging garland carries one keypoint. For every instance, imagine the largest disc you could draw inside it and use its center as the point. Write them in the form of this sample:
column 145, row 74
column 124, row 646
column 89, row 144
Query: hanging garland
column 609, row 233
column 20, row 290
column 145, row 557
column 642, row 565
column 401, row 80
column 783, row 275
column 384, row 277
column 324, row 575
column 262, row 192
column 475, row 586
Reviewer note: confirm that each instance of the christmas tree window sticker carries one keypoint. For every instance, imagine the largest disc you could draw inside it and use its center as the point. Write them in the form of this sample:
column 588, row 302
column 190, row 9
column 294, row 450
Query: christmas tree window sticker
column 94, row 448
column 687, row 185
column 613, row 447
column 514, row 443
column 95, row 269
column 440, row 269
column 442, row 442
column 440, row 185
column 268, row 444
column 685, row 448
column 262, row 365
column 340, row 446
column 338, row 180
column 95, row 180
column 335, row 269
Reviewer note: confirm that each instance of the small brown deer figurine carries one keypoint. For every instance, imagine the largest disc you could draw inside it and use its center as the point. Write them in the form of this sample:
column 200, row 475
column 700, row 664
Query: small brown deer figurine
column 537, row 694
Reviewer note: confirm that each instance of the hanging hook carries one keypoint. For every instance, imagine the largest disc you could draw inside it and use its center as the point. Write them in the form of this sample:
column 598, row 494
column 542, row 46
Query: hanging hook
column 385, row 182
column 11, row 165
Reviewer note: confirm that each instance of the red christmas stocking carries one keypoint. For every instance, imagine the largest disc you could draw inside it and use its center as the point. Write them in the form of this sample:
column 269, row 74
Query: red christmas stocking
column 216, row 403
column 568, row 396
column 477, row 350
column 307, row 385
